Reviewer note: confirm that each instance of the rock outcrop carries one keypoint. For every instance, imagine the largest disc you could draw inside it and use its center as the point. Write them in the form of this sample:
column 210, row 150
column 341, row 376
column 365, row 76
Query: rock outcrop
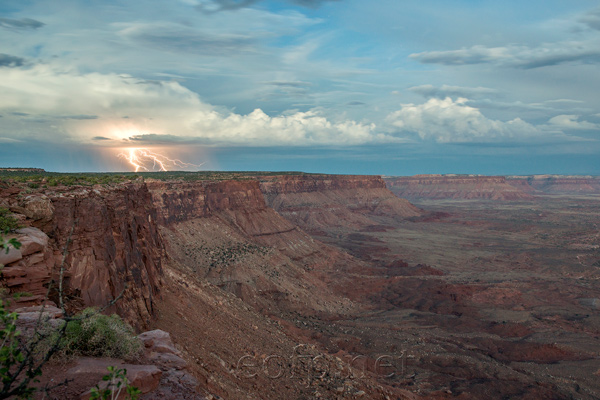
column 455, row 187
column 27, row 270
column 160, row 374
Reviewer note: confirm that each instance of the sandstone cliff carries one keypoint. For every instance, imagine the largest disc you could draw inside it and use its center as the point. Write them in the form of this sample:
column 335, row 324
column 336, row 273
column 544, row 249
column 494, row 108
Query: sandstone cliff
column 317, row 201
column 225, row 232
column 455, row 187
column 115, row 248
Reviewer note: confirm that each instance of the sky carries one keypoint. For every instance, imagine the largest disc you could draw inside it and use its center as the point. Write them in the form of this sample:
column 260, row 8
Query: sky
column 392, row 87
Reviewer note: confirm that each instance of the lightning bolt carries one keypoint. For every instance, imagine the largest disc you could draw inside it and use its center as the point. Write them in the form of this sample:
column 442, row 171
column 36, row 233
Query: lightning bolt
column 146, row 160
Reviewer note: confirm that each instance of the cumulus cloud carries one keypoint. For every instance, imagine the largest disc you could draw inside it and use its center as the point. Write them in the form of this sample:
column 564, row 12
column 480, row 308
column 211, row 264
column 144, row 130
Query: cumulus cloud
column 166, row 112
column 568, row 122
column 453, row 91
column 20, row 24
column 525, row 57
column 449, row 121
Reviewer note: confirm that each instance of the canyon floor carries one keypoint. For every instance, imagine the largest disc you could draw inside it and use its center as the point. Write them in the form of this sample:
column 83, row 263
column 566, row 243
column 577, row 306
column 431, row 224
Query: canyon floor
column 481, row 299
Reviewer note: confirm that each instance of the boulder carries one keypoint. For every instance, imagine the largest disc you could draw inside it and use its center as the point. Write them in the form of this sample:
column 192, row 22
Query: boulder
column 158, row 341
column 144, row 377
column 10, row 257
column 38, row 208
column 32, row 240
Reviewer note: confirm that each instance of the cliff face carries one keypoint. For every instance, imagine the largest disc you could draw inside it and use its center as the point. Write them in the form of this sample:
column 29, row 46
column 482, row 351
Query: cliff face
column 226, row 233
column 455, row 187
column 219, row 230
column 317, row 201
column 182, row 201
column 115, row 247
column 558, row 184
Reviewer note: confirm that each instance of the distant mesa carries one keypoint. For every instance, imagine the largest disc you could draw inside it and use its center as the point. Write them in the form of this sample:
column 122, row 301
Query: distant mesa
column 464, row 187
column 37, row 170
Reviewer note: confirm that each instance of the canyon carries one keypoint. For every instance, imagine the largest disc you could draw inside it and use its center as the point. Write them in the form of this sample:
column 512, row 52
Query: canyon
column 333, row 286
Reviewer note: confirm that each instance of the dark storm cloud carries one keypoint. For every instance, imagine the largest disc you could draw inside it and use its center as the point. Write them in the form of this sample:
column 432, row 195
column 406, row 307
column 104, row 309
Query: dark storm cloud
column 154, row 138
column 190, row 41
column 592, row 19
column 100, row 138
column 10, row 61
column 20, row 24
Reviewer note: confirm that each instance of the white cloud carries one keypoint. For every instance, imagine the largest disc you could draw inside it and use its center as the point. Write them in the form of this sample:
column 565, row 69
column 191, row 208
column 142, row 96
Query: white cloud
column 571, row 122
column 165, row 109
column 449, row 121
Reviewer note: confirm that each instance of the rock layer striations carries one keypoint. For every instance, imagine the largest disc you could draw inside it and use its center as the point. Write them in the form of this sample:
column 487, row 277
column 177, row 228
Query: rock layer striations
column 455, row 187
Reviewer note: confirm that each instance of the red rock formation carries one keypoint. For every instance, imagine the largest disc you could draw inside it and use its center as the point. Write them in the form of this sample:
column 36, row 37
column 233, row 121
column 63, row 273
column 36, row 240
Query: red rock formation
column 224, row 231
column 115, row 247
column 314, row 201
column 455, row 187
column 183, row 201
column 28, row 269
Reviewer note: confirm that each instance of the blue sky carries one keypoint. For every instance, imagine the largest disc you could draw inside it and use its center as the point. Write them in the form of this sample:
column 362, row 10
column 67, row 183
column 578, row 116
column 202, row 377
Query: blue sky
column 346, row 86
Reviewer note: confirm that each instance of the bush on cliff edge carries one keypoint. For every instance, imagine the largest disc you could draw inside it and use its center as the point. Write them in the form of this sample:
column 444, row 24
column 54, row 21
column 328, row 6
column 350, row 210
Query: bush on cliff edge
column 8, row 223
column 93, row 334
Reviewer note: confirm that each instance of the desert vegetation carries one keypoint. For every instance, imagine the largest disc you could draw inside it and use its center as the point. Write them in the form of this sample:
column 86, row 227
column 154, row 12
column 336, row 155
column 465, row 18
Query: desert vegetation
column 36, row 179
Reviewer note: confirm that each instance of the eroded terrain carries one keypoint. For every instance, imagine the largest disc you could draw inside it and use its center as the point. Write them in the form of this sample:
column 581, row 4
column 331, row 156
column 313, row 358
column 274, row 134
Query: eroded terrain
column 483, row 298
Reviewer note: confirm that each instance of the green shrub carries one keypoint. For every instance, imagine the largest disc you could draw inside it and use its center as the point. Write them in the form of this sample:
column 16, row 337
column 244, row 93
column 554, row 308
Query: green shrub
column 8, row 223
column 97, row 335
column 116, row 380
